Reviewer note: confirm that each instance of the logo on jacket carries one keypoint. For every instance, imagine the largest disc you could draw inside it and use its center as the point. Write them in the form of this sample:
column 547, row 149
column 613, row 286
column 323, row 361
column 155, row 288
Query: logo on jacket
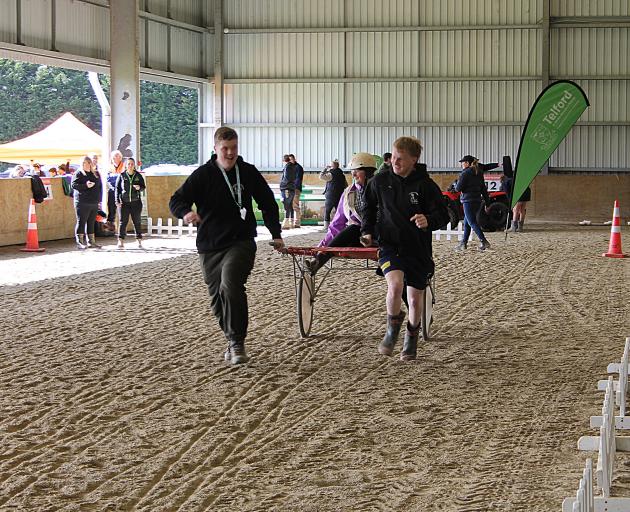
column 414, row 197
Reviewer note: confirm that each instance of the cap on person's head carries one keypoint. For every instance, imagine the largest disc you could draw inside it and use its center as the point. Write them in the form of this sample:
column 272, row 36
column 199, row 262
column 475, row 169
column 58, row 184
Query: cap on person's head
column 362, row 160
column 468, row 158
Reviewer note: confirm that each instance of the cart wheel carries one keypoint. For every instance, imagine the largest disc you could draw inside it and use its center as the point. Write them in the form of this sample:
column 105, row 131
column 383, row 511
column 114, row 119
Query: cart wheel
column 427, row 311
column 305, row 304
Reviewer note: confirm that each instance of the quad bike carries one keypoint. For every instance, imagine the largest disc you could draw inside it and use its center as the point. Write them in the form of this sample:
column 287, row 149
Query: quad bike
column 494, row 219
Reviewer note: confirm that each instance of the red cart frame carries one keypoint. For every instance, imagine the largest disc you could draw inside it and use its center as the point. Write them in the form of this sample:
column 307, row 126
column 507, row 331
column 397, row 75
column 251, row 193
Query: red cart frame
column 307, row 286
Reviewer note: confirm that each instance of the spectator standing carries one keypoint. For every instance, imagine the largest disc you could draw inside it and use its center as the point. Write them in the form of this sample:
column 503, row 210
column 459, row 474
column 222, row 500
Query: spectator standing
column 473, row 188
column 287, row 191
column 117, row 166
column 336, row 183
column 299, row 177
column 222, row 190
column 345, row 228
column 403, row 206
column 18, row 172
column 520, row 210
column 37, row 171
column 387, row 163
column 128, row 194
column 87, row 194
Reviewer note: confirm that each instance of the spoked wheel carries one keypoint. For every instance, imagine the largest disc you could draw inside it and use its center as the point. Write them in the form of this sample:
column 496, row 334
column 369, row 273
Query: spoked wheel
column 427, row 310
column 305, row 304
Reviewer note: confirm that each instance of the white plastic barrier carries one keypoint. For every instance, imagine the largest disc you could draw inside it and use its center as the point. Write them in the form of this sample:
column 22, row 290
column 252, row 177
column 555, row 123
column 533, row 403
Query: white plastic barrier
column 169, row 229
column 190, row 230
column 449, row 232
column 622, row 421
column 584, row 500
column 607, row 445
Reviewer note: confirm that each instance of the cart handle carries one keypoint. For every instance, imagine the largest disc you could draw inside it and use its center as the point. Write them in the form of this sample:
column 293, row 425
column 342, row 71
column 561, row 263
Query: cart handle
column 355, row 253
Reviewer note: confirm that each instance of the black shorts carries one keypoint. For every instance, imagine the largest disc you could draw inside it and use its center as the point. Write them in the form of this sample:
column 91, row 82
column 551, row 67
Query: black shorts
column 415, row 272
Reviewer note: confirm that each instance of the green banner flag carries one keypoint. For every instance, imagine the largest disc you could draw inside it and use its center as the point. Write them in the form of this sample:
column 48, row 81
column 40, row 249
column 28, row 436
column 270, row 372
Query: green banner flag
column 555, row 111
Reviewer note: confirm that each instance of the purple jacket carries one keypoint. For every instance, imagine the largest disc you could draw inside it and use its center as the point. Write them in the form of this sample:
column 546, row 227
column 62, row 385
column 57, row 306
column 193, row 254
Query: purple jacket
column 345, row 215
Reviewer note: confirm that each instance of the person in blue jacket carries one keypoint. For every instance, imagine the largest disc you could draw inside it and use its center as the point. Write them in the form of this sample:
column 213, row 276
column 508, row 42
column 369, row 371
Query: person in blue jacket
column 473, row 188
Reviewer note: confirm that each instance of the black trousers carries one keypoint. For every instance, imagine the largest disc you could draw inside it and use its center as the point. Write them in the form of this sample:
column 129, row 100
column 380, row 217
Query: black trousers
column 331, row 202
column 86, row 218
column 287, row 201
column 348, row 237
column 111, row 206
column 133, row 209
column 225, row 272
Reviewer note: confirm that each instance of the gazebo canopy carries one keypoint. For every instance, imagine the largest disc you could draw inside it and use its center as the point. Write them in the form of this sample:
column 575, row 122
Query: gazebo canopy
column 67, row 138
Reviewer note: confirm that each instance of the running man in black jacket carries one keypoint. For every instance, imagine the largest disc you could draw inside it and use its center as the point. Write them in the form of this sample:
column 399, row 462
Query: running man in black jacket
column 402, row 206
column 222, row 190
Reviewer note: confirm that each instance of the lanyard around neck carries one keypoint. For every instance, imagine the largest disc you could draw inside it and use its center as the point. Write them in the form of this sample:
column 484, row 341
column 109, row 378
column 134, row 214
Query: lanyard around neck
column 237, row 198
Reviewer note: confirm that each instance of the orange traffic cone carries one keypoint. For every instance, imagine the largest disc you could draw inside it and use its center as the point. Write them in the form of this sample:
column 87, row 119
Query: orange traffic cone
column 32, row 242
column 614, row 248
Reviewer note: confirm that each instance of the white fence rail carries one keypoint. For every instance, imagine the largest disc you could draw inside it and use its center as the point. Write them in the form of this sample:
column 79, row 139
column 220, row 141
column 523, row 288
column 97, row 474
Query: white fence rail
column 622, row 422
column 179, row 229
column 607, row 444
column 584, row 500
column 169, row 229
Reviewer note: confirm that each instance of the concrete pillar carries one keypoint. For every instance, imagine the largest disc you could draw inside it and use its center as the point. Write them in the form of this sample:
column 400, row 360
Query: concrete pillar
column 125, row 77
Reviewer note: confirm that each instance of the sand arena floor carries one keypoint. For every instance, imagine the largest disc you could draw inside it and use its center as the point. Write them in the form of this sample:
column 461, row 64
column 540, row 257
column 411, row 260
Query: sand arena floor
column 114, row 396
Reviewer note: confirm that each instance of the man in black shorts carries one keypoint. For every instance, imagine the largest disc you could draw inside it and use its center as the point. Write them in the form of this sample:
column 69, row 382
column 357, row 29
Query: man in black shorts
column 409, row 206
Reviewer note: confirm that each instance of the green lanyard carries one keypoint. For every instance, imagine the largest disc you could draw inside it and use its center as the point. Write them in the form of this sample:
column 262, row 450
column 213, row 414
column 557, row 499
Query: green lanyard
column 131, row 179
column 237, row 198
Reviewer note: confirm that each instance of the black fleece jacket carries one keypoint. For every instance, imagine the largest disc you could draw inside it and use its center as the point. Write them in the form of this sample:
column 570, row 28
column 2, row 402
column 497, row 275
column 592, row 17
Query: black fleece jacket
column 124, row 191
column 84, row 194
column 389, row 203
column 221, row 223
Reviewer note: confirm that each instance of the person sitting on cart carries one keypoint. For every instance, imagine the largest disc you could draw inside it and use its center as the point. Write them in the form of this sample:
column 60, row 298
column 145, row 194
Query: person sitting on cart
column 403, row 205
column 345, row 228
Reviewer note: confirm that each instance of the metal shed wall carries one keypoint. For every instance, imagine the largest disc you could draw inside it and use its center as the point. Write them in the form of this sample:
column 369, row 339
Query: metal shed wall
column 459, row 74
column 326, row 78
column 174, row 42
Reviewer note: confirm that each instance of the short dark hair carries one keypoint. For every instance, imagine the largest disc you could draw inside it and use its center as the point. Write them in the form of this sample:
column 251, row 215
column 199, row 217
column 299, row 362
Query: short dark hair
column 386, row 156
column 225, row 133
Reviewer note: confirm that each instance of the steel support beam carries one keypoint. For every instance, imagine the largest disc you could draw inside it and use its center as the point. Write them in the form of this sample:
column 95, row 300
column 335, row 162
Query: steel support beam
column 424, row 28
column 154, row 17
column 82, row 63
column 545, row 58
column 125, row 77
column 218, row 63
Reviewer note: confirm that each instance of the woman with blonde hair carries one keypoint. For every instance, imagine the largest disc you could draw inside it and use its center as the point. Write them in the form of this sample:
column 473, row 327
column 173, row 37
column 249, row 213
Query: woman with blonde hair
column 87, row 195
